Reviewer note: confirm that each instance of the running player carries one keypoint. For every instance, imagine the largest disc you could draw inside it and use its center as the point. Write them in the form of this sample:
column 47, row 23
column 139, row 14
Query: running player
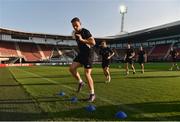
column 106, row 54
column 129, row 59
column 142, row 58
column 84, row 58
column 173, row 53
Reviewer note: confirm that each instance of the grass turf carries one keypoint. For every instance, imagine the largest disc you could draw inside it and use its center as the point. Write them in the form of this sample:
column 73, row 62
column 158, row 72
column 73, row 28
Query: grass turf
column 31, row 93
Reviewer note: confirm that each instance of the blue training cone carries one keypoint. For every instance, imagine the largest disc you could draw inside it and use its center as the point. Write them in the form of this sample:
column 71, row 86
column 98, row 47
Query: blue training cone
column 61, row 94
column 121, row 115
column 74, row 99
column 90, row 108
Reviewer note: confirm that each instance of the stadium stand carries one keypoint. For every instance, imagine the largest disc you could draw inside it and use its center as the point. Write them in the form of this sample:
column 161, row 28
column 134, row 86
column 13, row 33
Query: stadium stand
column 7, row 49
column 47, row 50
column 30, row 52
column 159, row 52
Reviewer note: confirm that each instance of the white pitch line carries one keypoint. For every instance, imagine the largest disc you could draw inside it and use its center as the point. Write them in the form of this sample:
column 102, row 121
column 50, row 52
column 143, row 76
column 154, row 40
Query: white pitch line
column 101, row 98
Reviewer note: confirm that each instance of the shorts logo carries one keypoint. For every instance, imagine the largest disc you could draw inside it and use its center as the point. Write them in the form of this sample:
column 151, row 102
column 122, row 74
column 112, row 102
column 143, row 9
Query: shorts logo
column 88, row 66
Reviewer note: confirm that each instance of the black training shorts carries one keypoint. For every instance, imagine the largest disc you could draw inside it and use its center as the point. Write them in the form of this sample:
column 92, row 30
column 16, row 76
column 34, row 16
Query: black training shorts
column 141, row 60
column 105, row 63
column 129, row 60
column 85, row 60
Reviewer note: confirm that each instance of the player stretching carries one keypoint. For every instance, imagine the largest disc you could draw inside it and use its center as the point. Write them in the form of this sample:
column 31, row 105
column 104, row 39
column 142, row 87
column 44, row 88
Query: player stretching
column 106, row 54
column 84, row 58
column 142, row 58
column 173, row 53
column 128, row 58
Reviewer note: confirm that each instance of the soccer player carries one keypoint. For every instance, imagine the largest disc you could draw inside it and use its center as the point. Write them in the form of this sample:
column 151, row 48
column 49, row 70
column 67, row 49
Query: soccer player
column 106, row 54
column 85, row 42
column 142, row 58
column 129, row 59
column 173, row 53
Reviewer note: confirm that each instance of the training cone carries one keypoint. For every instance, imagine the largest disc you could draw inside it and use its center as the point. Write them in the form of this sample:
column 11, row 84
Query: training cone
column 90, row 108
column 74, row 99
column 61, row 94
column 121, row 115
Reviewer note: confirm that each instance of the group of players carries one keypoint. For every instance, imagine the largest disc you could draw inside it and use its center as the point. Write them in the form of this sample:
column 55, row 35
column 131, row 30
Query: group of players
column 86, row 42
column 129, row 58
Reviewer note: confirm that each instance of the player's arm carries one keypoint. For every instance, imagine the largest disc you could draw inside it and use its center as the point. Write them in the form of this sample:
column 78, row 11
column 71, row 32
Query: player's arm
column 112, row 54
column 145, row 57
column 132, row 55
column 177, row 53
column 169, row 54
column 90, row 41
column 125, row 57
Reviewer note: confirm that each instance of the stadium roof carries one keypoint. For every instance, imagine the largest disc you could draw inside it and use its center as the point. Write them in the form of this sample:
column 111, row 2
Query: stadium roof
column 154, row 32
column 41, row 35
column 165, row 26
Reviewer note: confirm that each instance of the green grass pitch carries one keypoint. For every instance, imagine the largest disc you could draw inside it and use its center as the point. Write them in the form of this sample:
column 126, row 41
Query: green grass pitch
column 30, row 93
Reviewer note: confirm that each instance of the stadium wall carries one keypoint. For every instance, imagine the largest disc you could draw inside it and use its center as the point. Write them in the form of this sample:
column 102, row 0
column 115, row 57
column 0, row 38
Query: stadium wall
column 10, row 65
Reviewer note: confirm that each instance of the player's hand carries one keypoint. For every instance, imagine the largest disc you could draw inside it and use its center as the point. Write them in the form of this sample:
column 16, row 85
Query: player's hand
column 108, row 57
column 130, row 57
column 79, row 37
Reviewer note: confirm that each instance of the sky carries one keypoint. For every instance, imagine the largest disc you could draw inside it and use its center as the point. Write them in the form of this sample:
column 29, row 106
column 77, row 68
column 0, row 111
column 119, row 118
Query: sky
column 101, row 17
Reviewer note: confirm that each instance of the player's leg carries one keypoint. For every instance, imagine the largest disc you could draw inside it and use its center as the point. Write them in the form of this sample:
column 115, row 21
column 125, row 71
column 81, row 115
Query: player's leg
column 175, row 63
column 172, row 66
column 142, row 68
column 177, row 67
column 90, row 81
column 73, row 70
column 127, row 68
column 106, row 71
column 132, row 66
column 141, row 63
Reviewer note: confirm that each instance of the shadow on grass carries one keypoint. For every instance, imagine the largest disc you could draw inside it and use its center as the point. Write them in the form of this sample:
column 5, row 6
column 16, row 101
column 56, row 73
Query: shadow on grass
column 31, row 84
column 153, row 110
column 39, row 99
column 38, row 84
column 144, row 77
column 44, row 76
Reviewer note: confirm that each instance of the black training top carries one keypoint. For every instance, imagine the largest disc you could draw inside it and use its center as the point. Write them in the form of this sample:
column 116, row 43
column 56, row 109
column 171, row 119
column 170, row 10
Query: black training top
column 141, row 53
column 105, row 52
column 173, row 53
column 83, row 48
column 129, row 52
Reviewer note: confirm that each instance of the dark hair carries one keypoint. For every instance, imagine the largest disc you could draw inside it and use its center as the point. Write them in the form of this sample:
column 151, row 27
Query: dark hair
column 75, row 19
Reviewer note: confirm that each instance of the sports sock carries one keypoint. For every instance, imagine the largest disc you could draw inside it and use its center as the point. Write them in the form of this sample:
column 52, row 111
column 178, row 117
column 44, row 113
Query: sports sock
column 80, row 81
column 92, row 91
